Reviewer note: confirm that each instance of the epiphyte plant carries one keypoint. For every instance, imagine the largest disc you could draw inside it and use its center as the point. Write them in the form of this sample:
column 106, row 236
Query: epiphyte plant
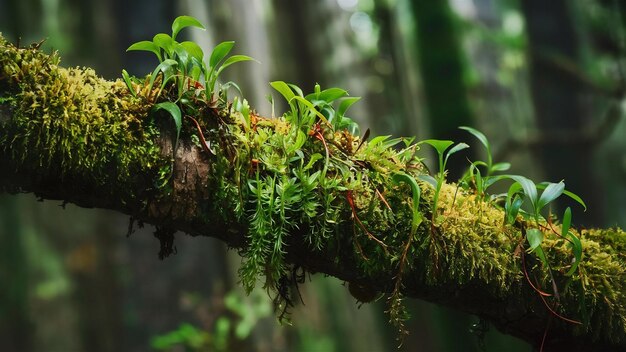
column 304, row 109
column 442, row 156
column 183, row 64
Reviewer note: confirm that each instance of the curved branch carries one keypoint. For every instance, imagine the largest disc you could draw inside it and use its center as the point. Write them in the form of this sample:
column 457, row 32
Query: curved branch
column 67, row 134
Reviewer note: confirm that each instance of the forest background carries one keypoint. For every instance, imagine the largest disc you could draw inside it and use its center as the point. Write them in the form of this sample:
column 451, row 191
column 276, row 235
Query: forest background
column 543, row 80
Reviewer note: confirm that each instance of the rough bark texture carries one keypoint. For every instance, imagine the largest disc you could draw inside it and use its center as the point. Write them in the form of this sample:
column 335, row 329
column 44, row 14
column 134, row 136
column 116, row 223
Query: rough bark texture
column 66, row 134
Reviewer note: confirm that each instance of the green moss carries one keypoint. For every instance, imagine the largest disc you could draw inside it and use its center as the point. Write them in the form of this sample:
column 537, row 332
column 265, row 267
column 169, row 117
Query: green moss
column 72, row 123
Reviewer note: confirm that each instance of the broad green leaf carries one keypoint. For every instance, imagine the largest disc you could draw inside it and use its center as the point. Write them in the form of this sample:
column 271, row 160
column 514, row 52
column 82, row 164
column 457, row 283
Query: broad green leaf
column 283, row 89
column 129, row 84
column 439, row 145
column 331, row 94
column 164, row 42
column 174, row 111
column 219, row 53
column 184, row 21
column 182, row 56
column 145, row 45
column 193, row 49
column 552, row 192
column 346, row 104
column 234, row 59
column 572, row 195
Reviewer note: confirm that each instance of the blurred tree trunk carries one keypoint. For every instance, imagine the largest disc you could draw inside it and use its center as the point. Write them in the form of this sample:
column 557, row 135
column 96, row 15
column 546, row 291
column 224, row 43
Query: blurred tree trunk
column 443, row 74
column 16, row 328
column 558, row 97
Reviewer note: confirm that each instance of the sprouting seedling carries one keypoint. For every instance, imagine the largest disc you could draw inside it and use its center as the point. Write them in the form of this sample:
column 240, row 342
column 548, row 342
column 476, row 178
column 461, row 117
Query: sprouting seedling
column 303, row 112
column 574, row 241
column 490, row 166
column 550, row 192
column 482, row 182
column 415, row 189
column 189, row 59
column 218, row 62
column 440, row 146
column 306, row 110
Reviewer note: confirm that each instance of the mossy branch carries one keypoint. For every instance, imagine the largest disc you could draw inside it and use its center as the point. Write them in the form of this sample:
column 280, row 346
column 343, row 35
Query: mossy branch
column 291, row 199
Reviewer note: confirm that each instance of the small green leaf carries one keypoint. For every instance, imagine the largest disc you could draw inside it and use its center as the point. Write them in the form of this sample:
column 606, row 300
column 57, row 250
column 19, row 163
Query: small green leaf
column 193, row 49
column 512, row 209
column 479, row 135
column 577, row 248
column 331, row 94
column 164, row 42
column 439, row 145
column 283, row 89
column 415, row 188
column 311, row 107
column 552, row 192
column 534, row 237
column 234, row 59
column 428, row 179
column 164, row 67
column 567, row 220
column 572, row 195
column 182, row 22
column 391, row 143
column 174, row 111
column 296, row 89
column 500, row 167
column 346, row 104
column 529, row 187
column 145, row 45
column 219, row 53
column 377, row 140
column 455, row 149
column 128, row 83
column 576, row 198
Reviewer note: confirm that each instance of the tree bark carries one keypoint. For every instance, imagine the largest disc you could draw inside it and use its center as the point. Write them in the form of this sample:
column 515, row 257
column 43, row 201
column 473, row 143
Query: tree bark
column 66, row 134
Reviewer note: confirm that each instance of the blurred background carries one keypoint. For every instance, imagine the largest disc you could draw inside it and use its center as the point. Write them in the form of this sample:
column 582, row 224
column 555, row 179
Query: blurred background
column 544, row 80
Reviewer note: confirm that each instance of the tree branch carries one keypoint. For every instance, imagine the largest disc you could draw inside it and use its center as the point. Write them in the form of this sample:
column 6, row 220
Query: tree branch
column 67, row 134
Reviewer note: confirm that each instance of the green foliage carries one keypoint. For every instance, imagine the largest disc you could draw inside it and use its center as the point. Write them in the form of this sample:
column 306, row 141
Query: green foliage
column 440, row 146
column 182, row 66
column 309, row 170
column 319, row 104
column 241, row 316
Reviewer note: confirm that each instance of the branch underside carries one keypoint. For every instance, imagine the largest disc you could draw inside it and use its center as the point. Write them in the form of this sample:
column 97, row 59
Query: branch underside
column 66, row 134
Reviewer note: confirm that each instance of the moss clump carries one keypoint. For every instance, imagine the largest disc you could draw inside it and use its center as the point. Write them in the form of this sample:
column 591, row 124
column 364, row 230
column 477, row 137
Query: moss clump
column 72, row 123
